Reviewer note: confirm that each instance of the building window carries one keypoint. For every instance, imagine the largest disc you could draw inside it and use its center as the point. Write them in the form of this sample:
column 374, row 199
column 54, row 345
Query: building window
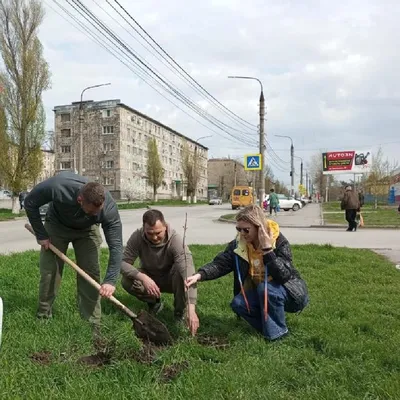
column 65, row 149
column 108, row 146
column 140, row 152
column 108, row 130
column 108, row 181
column 129, row 149
column 65, row 165
column 65, row 133
column 109, row 164
column 65, row 117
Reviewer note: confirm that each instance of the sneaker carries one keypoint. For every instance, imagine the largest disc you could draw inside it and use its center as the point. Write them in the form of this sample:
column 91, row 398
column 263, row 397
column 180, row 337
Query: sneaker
column 155, row 308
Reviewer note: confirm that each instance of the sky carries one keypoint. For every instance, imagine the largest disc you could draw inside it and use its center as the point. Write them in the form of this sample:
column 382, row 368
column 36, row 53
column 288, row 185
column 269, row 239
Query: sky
column 330, row 71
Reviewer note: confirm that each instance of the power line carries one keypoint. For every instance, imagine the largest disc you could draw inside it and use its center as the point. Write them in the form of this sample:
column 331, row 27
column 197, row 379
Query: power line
column 176, row 64
column 96, row 23
column 87, row 32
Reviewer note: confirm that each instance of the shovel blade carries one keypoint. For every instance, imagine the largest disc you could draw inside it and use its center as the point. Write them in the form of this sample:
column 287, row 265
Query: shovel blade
column 149, row 328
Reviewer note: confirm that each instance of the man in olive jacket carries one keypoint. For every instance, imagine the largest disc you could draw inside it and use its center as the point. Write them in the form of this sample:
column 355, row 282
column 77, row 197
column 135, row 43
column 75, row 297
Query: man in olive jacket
column 76, row 208
column 351, row 204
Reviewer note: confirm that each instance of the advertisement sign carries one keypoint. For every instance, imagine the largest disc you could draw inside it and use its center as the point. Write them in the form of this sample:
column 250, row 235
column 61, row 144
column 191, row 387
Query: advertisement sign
column 346, row 162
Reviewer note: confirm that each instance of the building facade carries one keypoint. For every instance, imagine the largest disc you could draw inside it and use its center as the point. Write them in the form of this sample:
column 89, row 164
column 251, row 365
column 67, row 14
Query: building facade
column 115, row 143
column 223, row 174
column 48, row 169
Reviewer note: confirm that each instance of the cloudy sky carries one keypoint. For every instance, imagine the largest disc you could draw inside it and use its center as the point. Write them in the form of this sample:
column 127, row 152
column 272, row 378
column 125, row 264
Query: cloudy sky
column 330, row 70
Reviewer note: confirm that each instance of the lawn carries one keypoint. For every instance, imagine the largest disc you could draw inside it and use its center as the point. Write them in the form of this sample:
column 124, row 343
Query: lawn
column 345, row 345
column 172, row 203
column 6, row 214
column 229, row 217
column 382, row 217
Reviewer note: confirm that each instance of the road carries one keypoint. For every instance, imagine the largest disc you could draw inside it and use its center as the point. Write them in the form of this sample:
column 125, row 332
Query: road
column 204, row 229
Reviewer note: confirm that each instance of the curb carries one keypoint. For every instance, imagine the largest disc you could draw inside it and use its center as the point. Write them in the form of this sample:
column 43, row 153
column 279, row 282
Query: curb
column 230, row 221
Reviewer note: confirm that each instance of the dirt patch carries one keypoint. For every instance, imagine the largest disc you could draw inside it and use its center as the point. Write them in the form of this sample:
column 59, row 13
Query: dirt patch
column 41, row 357
column 151, row 329
column 213, row 341
column 146, row 355
column 170, row 372
column 96, row 360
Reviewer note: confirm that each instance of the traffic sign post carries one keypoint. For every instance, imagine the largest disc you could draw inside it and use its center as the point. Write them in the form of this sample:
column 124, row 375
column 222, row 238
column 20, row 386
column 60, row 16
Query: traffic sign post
column 253, row 162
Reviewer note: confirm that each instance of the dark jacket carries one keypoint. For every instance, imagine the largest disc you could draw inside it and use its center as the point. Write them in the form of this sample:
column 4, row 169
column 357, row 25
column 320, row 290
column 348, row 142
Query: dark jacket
column 278, row 263
column 350, row 201
column 61, row 191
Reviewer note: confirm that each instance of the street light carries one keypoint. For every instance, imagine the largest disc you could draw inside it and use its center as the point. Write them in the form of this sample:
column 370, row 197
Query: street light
column 262, row 135
column 203, row 137
column 80, row 167
column 301, row 169
column 291, row 162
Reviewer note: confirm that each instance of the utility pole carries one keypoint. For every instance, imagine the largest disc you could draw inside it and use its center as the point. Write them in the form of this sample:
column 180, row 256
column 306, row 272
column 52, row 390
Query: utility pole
column 262, row 147
column 80, row 166
column 307, row 184
column 262, row 136
column 235, row 173
column 291, row 163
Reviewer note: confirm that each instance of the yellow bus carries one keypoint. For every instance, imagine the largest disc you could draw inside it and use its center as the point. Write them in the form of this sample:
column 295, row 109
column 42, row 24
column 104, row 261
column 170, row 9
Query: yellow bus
column 242, row 196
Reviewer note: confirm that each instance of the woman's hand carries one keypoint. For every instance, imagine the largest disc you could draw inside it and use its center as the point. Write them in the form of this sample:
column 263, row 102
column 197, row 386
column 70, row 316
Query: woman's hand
column 191, row 280
column 265, row 237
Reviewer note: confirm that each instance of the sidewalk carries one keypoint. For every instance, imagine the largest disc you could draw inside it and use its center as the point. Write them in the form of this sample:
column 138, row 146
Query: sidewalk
column 310, row 215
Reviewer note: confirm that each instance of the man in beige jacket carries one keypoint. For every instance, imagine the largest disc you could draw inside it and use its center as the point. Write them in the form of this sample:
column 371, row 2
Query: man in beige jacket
column 163, row 268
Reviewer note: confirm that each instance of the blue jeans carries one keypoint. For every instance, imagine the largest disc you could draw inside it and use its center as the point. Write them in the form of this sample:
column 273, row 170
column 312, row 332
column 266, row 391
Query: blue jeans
column 278, row 300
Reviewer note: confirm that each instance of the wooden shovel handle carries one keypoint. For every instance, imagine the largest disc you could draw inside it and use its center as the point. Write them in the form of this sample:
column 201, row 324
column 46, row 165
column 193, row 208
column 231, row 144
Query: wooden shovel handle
column 84, row 275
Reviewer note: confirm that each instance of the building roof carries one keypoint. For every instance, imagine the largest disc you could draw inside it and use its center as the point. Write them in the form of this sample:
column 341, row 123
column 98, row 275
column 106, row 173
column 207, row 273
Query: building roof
column 117, row 103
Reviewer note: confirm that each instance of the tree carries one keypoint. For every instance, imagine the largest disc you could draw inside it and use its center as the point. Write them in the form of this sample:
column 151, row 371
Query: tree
column 380, row 177
column 319, row 179
column 190, row 167
column 24, row 78
column 155, row 170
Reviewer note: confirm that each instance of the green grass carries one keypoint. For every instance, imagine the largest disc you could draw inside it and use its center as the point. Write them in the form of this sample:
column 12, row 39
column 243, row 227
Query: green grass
column 345, row 345
column 335, row 206
column 378, row 218
column 230, row 217
column 172, row 203
column 6, row 214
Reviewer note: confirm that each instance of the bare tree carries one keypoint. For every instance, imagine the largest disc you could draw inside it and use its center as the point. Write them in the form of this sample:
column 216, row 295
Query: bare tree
column 24, row 78
column 380, row 177
column 155, row 170
column 319, row 179
column 190, row 167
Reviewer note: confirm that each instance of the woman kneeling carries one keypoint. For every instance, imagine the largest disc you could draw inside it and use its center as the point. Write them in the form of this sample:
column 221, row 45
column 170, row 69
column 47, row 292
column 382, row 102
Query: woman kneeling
column 266, row 284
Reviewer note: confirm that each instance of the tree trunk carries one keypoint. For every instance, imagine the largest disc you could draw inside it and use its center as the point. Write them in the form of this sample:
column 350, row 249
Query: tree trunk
column 194, row 199
column 15, row 205
column 155, row 194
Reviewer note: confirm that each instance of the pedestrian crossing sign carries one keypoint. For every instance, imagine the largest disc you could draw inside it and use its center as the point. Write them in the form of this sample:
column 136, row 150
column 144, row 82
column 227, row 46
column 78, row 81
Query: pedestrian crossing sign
column 252, row 162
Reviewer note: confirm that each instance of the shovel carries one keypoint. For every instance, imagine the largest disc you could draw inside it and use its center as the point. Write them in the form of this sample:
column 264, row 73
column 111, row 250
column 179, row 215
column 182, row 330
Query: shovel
column 145, row 325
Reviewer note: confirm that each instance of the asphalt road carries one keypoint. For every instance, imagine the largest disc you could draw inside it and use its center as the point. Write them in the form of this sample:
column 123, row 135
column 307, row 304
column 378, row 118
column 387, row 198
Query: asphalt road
column 204, row 229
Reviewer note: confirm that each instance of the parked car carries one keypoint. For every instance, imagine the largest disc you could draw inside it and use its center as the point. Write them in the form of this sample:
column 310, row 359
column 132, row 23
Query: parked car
column 215, row 201
column 289, row 203
column 5, row 194
column 43, row 210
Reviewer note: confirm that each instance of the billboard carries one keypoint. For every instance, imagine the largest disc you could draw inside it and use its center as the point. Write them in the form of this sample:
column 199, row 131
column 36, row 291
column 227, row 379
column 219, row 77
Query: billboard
column 346, row 162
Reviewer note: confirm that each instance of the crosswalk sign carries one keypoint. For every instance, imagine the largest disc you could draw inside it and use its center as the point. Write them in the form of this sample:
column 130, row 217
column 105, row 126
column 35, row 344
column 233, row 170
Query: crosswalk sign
column 252, row 162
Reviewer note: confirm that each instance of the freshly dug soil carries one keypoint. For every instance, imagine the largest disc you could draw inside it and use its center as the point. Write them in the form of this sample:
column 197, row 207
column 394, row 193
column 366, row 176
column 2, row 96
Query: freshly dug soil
column 41, row 357
column 215, row 342
column 170, row 372
column 95, row 360
column 146, row 355
column 151, row 329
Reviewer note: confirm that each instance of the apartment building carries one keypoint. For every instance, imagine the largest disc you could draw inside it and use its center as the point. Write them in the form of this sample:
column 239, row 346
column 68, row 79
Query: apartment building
column 48, row 168
column 223, row 174
column 115, row 140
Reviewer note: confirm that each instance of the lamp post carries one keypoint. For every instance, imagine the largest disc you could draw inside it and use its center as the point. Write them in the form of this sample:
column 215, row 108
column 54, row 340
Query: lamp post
column 80, row 166
column 262, row 134
column 291, row 163
column 301, row 169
